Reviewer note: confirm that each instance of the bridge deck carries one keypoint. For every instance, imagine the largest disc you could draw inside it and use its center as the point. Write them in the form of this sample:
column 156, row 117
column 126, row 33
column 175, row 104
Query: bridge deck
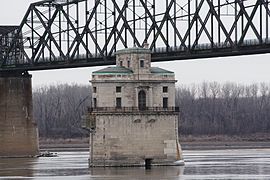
column 159, row 54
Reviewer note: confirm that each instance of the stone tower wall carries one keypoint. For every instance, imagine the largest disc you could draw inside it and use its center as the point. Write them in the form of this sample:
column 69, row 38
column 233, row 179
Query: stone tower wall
column 129, row 139
column 106, row 93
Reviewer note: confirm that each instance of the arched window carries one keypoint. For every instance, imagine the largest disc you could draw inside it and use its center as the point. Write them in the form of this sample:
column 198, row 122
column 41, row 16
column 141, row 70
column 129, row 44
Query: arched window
column 142, row 100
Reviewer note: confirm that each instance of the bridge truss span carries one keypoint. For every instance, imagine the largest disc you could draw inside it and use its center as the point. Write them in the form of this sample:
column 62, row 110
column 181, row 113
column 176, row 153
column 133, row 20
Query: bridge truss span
column 77, row 33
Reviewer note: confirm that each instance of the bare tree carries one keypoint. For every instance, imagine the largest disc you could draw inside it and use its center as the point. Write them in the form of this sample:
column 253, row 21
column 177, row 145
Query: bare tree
column 58, row 109
column 224, row 108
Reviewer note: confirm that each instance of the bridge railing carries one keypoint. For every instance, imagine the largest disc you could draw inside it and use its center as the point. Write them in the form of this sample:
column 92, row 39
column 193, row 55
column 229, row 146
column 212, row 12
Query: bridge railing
column 210, row 46
column 199, row 47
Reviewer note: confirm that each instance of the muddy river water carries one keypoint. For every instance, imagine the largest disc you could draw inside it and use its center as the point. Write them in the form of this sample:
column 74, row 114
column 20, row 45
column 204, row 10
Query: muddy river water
column 199, row 164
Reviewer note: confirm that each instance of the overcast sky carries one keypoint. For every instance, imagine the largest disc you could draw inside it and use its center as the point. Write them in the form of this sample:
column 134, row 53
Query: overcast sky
column 244, row 69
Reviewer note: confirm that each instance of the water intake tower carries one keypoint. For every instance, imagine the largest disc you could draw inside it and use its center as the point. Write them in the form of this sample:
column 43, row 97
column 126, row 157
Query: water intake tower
column 133, row 117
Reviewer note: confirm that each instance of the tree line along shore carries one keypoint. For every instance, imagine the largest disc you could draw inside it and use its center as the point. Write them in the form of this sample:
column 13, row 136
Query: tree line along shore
column 208, row 111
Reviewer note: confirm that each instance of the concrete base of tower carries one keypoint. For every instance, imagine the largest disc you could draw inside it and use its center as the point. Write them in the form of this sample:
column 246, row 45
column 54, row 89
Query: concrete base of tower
column 18, row 130
column 135, row 139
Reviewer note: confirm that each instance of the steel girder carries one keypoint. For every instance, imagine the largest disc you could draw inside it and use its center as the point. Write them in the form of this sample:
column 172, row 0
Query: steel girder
column 76, row 33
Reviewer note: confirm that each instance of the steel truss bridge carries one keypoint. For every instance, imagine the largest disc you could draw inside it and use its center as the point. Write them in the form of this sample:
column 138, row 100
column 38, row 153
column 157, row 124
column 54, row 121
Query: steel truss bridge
column 78, row 33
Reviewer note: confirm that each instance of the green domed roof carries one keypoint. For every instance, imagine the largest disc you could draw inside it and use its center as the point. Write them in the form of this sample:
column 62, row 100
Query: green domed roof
column 157, row 70
column 114, row 70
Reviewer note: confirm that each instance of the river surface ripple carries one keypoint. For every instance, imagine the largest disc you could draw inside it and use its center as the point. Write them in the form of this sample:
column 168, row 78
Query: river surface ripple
column 199, row 164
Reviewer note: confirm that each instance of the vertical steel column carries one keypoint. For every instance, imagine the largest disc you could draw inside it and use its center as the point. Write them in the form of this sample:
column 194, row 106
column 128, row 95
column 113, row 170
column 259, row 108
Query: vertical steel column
column 212, row 26
column 77, row 22
column 43, row 54
column 175, row 22
column 145, row 19
column 60, row 32
column 96, row 29
column 154, row 29
column 114, row 9
column 197, row 28
column 219, row 38
column 32, row 41
column 106, row 30
column 50, row 41
column 235, row 19
column 261, row 23
column 266, row 19
column 134, row 21
column 189, row 28
column 167, row 26
column 242, row 17
column 86, row 34
column 68, row 53
column 126, row 43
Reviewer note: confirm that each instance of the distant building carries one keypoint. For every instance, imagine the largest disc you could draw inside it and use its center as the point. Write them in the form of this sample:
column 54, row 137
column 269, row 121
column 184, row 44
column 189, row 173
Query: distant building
column 133, row 113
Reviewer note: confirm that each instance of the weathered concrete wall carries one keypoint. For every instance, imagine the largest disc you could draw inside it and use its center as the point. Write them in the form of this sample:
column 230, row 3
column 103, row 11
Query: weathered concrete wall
column 18, row 130
column 106, row 93
column 134, row 56
column 128, row 139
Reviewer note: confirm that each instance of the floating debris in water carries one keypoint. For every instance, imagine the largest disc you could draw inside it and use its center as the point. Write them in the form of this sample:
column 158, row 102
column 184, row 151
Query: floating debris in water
column 47, row 154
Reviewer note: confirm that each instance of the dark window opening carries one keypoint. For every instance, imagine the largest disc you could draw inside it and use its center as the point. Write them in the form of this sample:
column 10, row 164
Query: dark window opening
column 142, row 100
column 118, row 89
column 94, row 89
column 118, row 102
column 121, row 63
column 128, row 63
column 141, row 63
column 165, row 89
column 94, row 102
column 165, row 102
column 148, row 163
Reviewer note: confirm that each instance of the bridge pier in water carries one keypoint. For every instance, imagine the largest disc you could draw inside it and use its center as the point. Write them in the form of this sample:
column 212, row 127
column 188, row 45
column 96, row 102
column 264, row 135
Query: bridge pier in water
column 18, row 130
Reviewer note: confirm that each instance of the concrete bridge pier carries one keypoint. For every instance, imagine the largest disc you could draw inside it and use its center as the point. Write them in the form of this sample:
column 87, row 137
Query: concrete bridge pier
column 18, row 130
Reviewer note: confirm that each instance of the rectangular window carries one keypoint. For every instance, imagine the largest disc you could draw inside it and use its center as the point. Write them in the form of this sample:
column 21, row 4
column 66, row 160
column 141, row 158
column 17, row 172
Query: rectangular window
column 128, row 63
column 141, row 63
column 94, row 89
column 121, row 63
column 118, row 102
column 165, row 102
column 165, row 89
column 118, row 89
column 94, row 102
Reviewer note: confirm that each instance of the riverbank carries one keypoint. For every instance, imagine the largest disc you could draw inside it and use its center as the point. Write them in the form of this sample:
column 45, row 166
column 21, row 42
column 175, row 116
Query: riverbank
column 202, row 142
column 251, row 141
